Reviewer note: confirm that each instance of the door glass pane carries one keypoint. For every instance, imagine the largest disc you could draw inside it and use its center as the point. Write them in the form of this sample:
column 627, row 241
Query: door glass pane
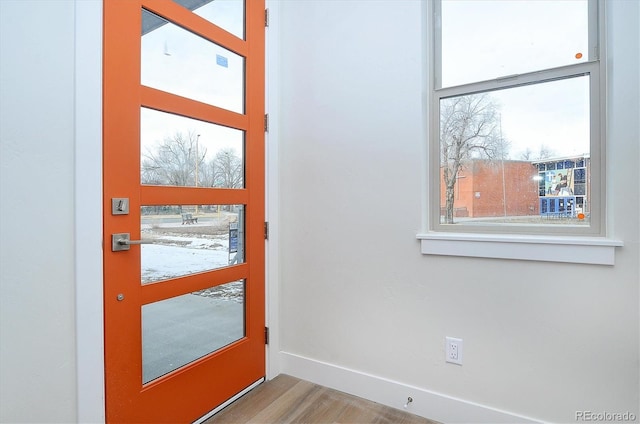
column 506, row 157
column 227, row 14
column 487, row 39
column 180, row 62
column 180, row 330
column 181, row 151
column 190, row 239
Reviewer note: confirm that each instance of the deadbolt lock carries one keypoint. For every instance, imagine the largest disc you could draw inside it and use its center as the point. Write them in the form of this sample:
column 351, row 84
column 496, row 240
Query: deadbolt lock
column 120, row 206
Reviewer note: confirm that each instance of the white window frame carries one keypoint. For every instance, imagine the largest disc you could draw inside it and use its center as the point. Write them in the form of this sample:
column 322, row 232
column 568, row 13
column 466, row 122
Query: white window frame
column 558, row 243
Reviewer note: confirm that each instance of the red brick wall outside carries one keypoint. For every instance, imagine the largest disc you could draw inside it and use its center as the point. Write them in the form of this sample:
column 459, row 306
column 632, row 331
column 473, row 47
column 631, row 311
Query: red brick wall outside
column 479, row 189
column 463, row 199
column 520, row 190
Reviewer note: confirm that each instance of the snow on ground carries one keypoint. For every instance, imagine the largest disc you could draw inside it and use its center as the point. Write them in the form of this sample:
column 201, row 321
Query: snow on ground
column 195, row 242
column 173, row 256
column 160, row 262
column 179, row 251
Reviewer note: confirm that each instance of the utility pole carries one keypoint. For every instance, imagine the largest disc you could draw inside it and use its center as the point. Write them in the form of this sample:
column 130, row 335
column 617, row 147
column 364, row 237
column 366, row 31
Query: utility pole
column 504, row 184
column 197, row 160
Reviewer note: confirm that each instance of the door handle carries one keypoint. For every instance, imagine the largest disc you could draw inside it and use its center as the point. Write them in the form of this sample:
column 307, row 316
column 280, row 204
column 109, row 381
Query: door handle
column 122, row 241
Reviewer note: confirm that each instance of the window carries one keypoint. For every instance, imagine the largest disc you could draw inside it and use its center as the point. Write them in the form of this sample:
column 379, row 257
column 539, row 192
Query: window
column 516, row 121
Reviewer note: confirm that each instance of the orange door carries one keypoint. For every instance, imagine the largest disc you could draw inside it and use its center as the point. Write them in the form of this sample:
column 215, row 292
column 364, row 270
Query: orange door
column 183, row 205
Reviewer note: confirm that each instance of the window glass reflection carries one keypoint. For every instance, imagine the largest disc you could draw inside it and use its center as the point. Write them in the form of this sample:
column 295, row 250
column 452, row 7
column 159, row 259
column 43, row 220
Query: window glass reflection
column 227, row 14
column 179, row 62
column 475, row 48
column 179, row 330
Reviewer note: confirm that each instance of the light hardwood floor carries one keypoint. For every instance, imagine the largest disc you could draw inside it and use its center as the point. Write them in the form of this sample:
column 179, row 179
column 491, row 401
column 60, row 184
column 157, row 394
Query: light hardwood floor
column 286, row 399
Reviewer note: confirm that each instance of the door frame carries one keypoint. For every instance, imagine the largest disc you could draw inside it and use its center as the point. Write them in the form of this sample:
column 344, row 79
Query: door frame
column 88, row 212
column 89, row 215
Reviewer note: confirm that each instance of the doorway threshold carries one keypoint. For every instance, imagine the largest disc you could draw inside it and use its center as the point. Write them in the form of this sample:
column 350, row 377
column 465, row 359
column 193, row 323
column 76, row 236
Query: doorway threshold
column 228, row 402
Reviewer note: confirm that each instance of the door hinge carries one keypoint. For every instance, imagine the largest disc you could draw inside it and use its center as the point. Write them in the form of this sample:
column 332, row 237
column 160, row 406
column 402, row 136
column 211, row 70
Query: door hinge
column 266, row 122
column 266, row 335
column 266, row 18
column 266, row 231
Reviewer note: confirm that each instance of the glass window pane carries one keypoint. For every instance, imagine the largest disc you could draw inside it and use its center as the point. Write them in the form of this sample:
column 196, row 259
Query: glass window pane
column 180, row 330
column 503, row 152
column 190, row 239
column 227, row 14
column 181, row 151
column 487, row 39
column 180, row 62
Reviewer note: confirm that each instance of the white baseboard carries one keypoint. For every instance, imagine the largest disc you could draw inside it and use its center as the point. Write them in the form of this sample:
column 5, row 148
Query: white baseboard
column 428, row 404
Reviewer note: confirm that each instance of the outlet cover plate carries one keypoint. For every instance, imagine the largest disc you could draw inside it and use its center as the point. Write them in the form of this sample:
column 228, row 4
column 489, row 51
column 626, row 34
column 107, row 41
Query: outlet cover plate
column 453, row 350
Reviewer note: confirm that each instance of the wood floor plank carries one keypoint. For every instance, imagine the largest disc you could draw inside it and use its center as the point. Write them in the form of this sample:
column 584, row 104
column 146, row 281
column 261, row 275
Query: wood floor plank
column 327, row 408
column 244, row 409
column 288, row 400
column 362, row 412
column 290, row 405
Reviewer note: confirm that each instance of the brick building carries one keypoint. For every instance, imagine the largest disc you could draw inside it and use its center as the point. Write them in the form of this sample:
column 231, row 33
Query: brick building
column 487, row 188
column 518, row 188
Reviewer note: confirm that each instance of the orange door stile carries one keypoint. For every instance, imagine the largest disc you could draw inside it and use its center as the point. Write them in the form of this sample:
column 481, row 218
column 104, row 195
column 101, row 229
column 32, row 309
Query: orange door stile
column 138, row 310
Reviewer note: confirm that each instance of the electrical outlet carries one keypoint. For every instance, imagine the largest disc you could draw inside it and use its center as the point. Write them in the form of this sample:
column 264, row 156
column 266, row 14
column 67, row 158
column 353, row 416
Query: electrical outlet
column 453, row 350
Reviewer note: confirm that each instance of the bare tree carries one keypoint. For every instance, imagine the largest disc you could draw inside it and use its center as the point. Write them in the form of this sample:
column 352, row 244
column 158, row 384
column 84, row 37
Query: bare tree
column 502, row 147
column 545, row 152
column 468, row 129
column 173, row 161
column 527, row 154
column 207, row 174
column 227, row 169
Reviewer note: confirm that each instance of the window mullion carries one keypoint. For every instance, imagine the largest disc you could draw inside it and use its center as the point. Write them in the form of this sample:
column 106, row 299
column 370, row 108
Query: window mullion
column 594, row 28
column 437, row 42
column 536, row 77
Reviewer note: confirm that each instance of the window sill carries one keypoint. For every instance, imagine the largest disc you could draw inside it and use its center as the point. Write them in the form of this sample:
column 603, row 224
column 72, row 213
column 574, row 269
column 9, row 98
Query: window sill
column 579, row 250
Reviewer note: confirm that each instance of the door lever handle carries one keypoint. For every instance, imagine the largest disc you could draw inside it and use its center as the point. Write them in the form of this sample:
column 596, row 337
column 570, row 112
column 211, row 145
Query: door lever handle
column 122, row 241
column 130, row 242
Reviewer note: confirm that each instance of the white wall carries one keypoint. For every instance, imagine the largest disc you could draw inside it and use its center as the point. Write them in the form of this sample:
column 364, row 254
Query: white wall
column 542, row 340
column 354, row 293
column 37, row 130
